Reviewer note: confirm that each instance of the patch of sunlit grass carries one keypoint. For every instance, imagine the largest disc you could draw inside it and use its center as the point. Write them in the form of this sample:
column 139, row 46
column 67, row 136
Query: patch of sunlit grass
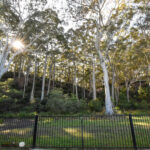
column 48, row 120
column 143, row 124
column 1, row 125
column 17, row 131
column 77, row 132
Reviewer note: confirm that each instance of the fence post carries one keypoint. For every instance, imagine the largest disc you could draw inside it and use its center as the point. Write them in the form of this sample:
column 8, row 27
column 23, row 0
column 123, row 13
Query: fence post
column 82, row 133
column 35, row 131
column 132, row 132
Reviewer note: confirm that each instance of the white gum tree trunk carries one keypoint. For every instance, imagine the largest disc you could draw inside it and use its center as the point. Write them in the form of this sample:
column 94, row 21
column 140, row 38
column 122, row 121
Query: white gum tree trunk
column 3, row 59
column 93, row 79
column 43, row 80
column 108, row 102
column 75, row 80
column 33, row 83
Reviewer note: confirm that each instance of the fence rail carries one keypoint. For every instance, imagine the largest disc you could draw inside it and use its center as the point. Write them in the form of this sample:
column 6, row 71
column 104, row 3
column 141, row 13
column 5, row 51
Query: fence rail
column 120, row 131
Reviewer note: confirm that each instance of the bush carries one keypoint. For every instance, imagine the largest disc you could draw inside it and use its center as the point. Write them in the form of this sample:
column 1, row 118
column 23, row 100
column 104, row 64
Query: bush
column 95, row 105
column 55, row 102
column 75, row 106
column 123, row 102
column 144, row 105
column 58, row 103
column 143, row 93
column 14, row 93
column 21, row 114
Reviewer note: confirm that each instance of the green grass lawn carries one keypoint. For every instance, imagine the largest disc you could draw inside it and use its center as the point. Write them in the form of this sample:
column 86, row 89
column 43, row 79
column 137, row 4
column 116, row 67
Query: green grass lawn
column 76, row 132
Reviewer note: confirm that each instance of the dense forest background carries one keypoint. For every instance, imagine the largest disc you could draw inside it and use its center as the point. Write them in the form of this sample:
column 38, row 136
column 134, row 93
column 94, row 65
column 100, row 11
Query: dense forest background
column 100, row 65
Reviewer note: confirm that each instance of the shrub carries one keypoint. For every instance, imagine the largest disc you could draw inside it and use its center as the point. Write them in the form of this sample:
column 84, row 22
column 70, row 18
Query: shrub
column 95, row 105
column 144, row 105
column 55, row 102
column 14, row 93
column 75, row 106
column 143, row 93
column 58, row 103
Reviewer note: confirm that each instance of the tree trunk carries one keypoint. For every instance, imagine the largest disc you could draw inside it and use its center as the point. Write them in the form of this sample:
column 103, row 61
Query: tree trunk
column 90, row 85
column 20, row 67
column 49, row 82
column 33, row 83
column 117, row 95
column 26, row 78
column 25, row 83
column 43, row 80
column 54, row 74
column 68, row 75
column 113, row 82
column 76, row 83
column 75, row 80
column 73, row 85
column 3, row 59
column 83, row 84
column 128, row 90
column 28, row 71
column 108, row 103
column 93, row 79
column 14, row 70
column 148, row 73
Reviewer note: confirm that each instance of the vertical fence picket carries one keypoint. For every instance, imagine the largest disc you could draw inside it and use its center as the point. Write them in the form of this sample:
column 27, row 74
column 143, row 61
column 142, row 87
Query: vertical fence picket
column 132, row 132
column 82, row 133
column 35, row 131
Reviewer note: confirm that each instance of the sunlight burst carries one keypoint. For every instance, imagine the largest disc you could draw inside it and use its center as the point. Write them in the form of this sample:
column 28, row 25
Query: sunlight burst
column 18, row 44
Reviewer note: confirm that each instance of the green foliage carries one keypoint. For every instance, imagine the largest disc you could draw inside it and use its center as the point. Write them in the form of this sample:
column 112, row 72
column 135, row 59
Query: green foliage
column 123, row 103
column 10, row 97
column 144, row 105
column 1, row 121
column 95, row 105
column 143, row 93
column 58, row 103
column 21, row 114
column 138, row 100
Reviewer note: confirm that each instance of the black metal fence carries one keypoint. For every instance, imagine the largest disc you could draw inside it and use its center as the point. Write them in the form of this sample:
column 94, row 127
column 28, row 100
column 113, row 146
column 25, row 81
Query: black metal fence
column 121, row 131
